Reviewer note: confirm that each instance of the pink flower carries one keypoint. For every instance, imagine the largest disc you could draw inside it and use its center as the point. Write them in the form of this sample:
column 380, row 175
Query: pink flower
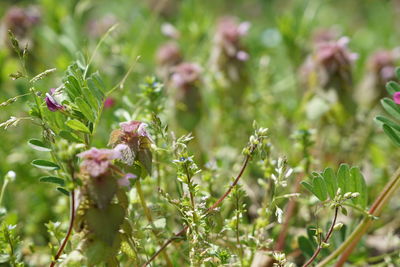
column 51, row 103
column 168, row 54
column 96, row 162
column 334, row 56
column 109, row 102
column 228, row 35
column 126, row 180
column 396, row 98
column 186, row 75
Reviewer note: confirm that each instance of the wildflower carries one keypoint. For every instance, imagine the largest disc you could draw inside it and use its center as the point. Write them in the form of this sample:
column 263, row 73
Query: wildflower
column 334, row 56
column 228, row 59
column 228, row 36
column 185, row 75
column 126, row 180
column 132, row 142
column 396, row 98
column 21, row 21
column 96, row 162
column 168, row 54
column 51, row 102
column 382, row 65
column 109, row 102
column 187, row 97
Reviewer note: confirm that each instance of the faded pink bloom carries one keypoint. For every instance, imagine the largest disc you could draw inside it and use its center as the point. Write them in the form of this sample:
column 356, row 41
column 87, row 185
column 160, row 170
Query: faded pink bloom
column 51, row 103
column 334, row 55
column 168, row 54
column 109, row 102
column 135, row 128
column 96, row 162
column 185, row 75
column 21, row 20
column 396, row 98
column 228, row 35
column 383, row 64
column 126, row 180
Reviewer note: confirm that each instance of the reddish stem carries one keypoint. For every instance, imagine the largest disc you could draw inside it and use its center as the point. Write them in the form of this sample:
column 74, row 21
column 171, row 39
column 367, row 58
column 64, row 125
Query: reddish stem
column 325, row 240
column 71, row 225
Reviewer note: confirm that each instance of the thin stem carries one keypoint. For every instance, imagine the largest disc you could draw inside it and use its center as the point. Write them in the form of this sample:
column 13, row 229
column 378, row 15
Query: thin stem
column 143, row 202
column 3, row 189
column 70, row 227
column 97, row 47
column 314, row 256
column 237, row 230
column 209, row 210
column 189, row 179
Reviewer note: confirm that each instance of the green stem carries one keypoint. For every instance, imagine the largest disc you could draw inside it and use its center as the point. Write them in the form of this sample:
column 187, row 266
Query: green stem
column 3, row 189
column 347, row 247
column 143, row 202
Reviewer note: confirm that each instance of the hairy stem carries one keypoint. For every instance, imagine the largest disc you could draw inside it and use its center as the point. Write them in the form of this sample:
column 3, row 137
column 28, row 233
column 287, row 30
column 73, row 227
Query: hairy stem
column 182, row 232
column 71, row 225
column 149, row 217
column 329, row 234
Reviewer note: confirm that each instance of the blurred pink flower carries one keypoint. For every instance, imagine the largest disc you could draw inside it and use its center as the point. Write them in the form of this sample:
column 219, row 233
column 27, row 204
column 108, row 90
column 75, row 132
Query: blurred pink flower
column 126, row 180
column 185, row 75
column 168, row 54
column 334, row 55
column 96, row 162
column 109, row 102
column 21, row 20
column 228, row 35
column 396, row 98
column 383, row 64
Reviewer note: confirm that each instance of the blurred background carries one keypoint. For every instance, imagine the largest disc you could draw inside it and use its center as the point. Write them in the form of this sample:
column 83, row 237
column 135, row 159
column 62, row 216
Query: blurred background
column 288, row 64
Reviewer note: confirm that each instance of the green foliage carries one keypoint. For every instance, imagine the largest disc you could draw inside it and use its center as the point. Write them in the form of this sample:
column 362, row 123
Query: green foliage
column 328, row 185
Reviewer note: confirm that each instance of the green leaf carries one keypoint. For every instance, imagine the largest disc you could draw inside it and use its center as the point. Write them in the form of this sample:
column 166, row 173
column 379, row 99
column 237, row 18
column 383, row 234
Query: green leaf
column 86, row 110
column 145, row 158
column 38, row 145
column 391, row 107
column 53, row 180
column 308, row 186
column 96, row 91
column 305, row 246
column 392, row 87
column 77, row 126
column 359, row 186
column 330, row 181
column 389, row 131
column 70, row 136
column 343, row 177
column 44, row 164
column 105, row 223
column 320, row 188
column 387, row 121
column 63, row 190
column 92, row 99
